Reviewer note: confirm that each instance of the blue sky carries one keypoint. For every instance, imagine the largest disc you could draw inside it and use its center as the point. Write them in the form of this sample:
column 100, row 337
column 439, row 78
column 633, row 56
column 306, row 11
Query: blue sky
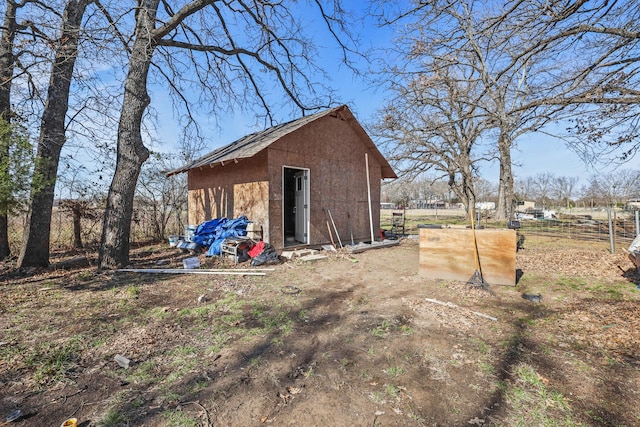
column 534, row 154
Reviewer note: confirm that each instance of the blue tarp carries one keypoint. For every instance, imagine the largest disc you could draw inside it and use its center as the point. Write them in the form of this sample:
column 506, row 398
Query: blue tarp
column 212, row 233
column 206, row 233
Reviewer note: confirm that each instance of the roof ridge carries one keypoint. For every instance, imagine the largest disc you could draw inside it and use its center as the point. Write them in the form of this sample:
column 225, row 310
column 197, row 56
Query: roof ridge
column 263, row 138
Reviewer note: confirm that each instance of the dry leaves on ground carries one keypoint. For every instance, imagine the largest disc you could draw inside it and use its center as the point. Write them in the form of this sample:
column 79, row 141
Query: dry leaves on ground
column 596, row 263
column 611, row 326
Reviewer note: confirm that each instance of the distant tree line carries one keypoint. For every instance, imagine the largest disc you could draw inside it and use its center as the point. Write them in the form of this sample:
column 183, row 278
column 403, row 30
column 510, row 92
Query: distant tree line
column 547, row 190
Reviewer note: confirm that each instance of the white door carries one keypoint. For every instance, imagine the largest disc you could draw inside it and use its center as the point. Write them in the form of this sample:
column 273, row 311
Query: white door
column 301, row 206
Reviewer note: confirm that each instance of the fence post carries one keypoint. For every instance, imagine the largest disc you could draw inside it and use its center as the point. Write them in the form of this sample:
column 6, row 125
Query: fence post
column 637, row 222
column 612, row 247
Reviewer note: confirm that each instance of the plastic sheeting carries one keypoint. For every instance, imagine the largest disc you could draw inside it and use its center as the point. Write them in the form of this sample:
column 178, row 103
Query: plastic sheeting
column 212, row 233
column 635, row 245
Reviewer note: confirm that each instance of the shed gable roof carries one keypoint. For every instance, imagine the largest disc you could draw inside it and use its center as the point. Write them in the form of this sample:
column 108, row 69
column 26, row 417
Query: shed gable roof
column 250, row 145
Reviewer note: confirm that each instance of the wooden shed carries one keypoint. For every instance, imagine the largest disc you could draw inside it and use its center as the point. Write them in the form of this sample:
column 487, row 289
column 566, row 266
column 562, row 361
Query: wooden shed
column 292, row 178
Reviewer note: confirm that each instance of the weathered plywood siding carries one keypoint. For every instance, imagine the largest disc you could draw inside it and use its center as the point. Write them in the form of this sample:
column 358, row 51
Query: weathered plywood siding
column 335, row 157
column 230, row 191
column 449, row 254
column 252, row 199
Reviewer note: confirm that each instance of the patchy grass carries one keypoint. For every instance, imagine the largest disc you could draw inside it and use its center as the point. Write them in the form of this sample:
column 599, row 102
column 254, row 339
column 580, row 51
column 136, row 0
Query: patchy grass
column 52, row 362
column 394, row 371
column 179, row 419
column 359, row 345
column 532, row 402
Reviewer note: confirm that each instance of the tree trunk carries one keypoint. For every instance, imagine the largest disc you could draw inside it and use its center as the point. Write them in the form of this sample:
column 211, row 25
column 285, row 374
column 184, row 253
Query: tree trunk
column 506, row 202
column 35, row 247
column 7, row 61
column 114, row 248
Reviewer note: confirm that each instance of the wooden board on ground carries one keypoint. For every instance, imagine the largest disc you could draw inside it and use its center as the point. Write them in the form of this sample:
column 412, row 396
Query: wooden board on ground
column 448, row 254
column 362, row 247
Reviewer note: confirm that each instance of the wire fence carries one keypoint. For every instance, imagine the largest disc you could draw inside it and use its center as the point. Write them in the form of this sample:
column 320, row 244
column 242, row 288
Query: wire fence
column 619, row 230
column 598, row 225
column 586, row 225
column 143, row 228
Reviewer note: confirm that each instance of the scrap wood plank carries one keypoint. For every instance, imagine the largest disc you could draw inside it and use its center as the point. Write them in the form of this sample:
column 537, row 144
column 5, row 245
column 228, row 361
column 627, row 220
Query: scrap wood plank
column 312, row 257
column 376, row 245
column 192, row 271
column 452, row 305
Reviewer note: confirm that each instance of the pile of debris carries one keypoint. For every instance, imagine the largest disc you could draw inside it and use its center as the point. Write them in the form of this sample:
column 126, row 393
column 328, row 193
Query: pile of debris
column 222, row 236
column 634, row 252
column 210, row 234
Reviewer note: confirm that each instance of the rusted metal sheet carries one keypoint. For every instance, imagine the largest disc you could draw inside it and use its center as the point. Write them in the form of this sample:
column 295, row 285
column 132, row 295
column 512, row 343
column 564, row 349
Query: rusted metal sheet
column 448, row 254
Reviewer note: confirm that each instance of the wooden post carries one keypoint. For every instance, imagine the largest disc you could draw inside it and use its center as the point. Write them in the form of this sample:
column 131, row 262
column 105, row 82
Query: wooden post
column 366, row 161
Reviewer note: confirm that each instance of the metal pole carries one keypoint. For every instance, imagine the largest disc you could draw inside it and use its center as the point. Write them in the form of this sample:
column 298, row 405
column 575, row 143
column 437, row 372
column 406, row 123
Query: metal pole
column 615, row 228
column 612, row 248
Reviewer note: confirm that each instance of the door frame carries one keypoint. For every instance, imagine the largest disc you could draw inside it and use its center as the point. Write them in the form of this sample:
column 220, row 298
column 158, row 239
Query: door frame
column 307, row 192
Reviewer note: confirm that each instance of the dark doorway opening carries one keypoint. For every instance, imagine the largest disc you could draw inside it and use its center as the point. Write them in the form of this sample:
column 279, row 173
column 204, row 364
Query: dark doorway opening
column 295, row 206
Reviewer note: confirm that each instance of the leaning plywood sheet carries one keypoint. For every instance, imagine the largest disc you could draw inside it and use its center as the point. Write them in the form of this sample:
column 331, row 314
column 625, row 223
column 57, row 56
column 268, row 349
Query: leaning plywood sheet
column 448, row 254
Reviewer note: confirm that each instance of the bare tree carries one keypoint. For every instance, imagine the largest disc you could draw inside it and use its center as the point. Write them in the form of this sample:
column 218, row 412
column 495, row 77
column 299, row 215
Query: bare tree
column 400, row 192
column 486, row 191
column 598, row 89
column 517, row 52
column 611, row 189
column 35, row 247
column 432, row 124
column 79, row 197
column 10, row 28
column 627, row 184
column 80, row 209
column 524, row 189
column 165, row 198
column 512, row 68
column 543, row 186
column 450, row 35
column 563, row 188
column 231, row 48
column 590, row 195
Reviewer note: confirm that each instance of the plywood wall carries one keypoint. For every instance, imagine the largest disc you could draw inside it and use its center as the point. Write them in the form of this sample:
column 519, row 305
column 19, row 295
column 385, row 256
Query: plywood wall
column 449, row 254
column 334, row 154
column 229, row 191
column 252, row 199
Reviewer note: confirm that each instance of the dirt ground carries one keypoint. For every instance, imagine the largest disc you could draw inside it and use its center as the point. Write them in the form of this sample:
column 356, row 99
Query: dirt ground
column 352, row 340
